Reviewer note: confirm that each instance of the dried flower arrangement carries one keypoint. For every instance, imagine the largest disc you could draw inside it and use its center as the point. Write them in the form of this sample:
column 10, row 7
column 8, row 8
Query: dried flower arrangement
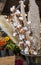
column 22, row 29
column 19, row 30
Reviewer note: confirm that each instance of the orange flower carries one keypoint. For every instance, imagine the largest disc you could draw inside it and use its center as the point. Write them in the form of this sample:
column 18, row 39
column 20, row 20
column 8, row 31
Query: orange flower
column 2, row 43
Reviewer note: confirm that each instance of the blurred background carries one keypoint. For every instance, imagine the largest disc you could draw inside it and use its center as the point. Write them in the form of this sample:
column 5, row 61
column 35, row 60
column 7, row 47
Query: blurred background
column 6, row 4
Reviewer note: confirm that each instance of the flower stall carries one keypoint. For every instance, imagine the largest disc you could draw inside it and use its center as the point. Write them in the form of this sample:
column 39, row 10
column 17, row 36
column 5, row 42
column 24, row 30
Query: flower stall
column 21, row 35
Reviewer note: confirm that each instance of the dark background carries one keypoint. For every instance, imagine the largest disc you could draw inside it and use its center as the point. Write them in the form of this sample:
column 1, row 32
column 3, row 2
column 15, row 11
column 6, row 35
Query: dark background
column 10, row 3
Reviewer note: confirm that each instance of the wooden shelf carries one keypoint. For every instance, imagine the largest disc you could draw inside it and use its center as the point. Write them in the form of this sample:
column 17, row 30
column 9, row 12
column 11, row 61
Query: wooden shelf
column 9, row 60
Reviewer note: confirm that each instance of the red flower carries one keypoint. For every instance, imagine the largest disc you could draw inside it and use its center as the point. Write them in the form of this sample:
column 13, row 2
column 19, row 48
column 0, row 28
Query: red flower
column 2, row 43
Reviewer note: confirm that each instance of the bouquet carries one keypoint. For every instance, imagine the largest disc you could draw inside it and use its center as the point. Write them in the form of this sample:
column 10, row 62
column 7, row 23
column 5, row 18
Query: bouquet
column 20, row 30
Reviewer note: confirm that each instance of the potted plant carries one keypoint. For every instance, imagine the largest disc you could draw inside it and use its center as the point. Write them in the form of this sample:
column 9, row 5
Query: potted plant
column 2, row 48
column 10, row 47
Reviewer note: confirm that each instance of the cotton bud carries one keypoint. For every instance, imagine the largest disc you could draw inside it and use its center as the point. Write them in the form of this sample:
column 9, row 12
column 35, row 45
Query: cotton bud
column 28, row 43
column 26, row 50
column 7, row 20
column 14, row 34
column 21, row 37
column 14, row 24
column 25, row 14
column 22, row 31
column 21, row 18
column 19, row 26
column 29, row 22
column 12, row 9
column 17, row 13
column 25, row 28
column 35, row 53
column 21, row 15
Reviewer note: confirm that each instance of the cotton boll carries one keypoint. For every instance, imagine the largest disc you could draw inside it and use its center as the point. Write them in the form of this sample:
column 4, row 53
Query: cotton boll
column 21, row 36
column 17, row 12
column 21, row 15
column 29, row 22
column 26, row 50
column 19, row 26
column 14, row 24
column 7, row 20
column 35, row 53
column 28, row 43
column 22, row 31
column 25, row 28
column 12, row 8
column 14, row 34
column 21, row 18
column 25, row 14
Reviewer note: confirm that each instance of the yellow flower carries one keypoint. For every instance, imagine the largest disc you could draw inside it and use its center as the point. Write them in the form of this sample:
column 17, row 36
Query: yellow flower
column 16, row 46
column 6, row 38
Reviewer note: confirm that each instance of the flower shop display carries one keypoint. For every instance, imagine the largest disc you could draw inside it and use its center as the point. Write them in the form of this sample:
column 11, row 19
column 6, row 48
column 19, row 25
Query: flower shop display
column 22, row 36
column 22, row 30
column 7, row 47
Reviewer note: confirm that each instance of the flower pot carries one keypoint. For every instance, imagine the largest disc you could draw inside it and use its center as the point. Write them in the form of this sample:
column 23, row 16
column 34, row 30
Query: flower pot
column 33, row 60
column 3, row 53
column 10, row 52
